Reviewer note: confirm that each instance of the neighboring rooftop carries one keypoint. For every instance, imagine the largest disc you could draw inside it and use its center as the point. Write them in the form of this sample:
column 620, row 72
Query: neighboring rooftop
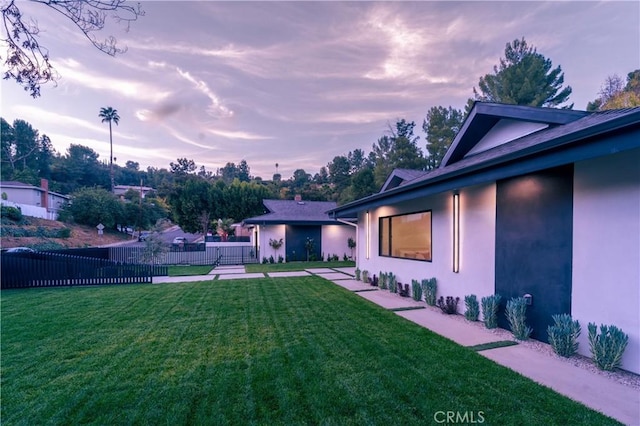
column 294, row 212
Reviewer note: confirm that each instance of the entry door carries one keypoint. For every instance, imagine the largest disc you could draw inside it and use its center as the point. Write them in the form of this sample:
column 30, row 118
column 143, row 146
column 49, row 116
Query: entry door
column 296, row 236
column 534, row 228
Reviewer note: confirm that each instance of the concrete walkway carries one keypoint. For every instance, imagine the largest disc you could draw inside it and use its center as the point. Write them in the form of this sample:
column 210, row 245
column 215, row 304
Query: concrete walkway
column 596, row 391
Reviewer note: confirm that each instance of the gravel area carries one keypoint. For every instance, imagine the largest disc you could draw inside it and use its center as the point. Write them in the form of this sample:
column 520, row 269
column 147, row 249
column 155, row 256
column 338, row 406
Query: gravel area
column 621, row 376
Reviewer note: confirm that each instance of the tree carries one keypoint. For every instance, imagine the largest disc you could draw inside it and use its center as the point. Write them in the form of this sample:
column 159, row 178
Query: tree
column 524, row 77
column 109, row 114
column 441, row 126
column 182, row 167
column 27, row 61
column 92, row 206
column 615, row 94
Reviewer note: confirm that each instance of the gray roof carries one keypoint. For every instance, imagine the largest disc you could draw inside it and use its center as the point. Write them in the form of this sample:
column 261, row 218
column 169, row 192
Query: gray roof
column 570, row 137
column 295, row 212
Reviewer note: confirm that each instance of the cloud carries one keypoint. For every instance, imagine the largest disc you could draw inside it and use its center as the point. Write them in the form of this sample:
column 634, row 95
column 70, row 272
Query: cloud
column 238, row 135
column 61, row 120
column 72, row 70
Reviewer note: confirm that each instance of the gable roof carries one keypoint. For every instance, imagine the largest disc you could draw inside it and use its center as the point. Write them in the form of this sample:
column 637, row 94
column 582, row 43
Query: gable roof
column 295, row 212
column 400, row 177
column 587, row 136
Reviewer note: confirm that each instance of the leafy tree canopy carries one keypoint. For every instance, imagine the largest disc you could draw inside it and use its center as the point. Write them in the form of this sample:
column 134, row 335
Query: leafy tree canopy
column 441, row 126
column 524, row 77
column 615, row 93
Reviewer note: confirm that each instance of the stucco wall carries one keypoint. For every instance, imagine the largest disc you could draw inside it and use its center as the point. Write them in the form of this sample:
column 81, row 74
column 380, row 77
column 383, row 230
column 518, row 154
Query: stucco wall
column 606, row 244
column 267, row 232
column 477, row 243
column 334, row 240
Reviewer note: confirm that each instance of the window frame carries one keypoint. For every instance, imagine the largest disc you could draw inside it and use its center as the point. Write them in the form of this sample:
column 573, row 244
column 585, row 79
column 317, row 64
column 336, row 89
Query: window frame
column 389, row 228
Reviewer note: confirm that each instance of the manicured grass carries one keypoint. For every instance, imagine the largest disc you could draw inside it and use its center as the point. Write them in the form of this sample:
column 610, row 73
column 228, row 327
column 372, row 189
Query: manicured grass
column 296, row 266
column 180, row 271
column 493, row 345
column 258, row 352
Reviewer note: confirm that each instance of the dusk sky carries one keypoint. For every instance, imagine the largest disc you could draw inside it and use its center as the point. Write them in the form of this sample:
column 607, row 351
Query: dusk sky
column 298, row 83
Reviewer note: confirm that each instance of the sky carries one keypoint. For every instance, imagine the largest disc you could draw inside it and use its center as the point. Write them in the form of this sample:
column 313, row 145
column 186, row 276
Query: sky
column 297, row 83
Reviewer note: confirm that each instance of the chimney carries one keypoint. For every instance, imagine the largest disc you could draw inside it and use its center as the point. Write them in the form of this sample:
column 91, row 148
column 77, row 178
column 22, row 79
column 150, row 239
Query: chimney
column 298, row 197
column 44, row 195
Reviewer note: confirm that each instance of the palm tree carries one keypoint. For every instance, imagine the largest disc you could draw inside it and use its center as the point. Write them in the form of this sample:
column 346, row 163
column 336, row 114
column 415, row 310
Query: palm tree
column 109, row 114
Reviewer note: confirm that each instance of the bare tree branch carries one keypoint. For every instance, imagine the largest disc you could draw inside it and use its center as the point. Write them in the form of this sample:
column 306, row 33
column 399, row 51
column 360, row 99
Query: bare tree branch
column 27, row 62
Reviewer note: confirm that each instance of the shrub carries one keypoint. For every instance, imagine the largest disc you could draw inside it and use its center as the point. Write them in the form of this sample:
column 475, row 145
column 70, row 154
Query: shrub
column 392, row 282
column 490, row 306
column 449, row 305
column 517, row 317
column 473, row 307
column 416, row 290
column 64, row 233
column 357, row 272
column 265, row 260
column 365, row 276
column 563, row 335
column 382, row 282
column 280, row 259
column 608, row 346
column 429, row 288
column 271, row 260
column 11, row 213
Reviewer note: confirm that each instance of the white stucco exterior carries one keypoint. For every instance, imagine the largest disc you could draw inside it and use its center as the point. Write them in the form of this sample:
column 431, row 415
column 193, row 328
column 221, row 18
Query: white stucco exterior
column 334, row 240
column 606, row 248
column 477, row 238
column 271, row 232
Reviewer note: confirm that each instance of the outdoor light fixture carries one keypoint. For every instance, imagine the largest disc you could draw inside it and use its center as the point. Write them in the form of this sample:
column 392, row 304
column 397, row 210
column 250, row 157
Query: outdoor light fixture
column 368, row 232
column 456, row 232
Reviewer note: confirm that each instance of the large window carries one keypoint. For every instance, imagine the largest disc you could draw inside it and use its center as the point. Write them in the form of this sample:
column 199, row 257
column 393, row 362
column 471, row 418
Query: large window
column 407, row 236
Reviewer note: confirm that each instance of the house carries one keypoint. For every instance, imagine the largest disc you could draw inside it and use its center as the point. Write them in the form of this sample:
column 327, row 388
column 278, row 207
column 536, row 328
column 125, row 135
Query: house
column 120, row 190
column 527, row 201
column 297, row 221
column 33, row 201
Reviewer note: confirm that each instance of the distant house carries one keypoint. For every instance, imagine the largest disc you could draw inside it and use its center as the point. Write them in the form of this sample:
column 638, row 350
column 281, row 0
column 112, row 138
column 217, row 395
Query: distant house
column 296, row 222
column 527, row 201
column 33, row 201
column 120, row 190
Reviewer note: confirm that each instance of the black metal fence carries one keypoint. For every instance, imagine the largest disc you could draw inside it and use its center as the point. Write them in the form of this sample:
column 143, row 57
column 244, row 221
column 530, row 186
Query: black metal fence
column 42, row 269
column 219, row 255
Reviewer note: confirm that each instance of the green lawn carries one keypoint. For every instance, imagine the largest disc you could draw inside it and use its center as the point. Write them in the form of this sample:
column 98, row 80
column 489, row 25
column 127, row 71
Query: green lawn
column 259, row 352
column 296, row 266
column 180, row 270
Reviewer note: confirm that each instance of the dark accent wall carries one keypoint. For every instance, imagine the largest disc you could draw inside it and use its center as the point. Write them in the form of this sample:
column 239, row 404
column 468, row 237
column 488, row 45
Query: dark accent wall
column 296, row 237
column 534, row 228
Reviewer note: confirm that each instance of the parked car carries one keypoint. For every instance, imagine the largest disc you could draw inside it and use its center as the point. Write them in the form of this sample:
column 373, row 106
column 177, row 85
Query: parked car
column 143, row 236
column 180, row 240
column 20, row 250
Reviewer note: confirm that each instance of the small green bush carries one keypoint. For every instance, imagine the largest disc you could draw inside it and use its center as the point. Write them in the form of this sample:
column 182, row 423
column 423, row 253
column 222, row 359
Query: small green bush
column 280, row 259
column 382, row 282
column 12, row 213
column 473, row 307
column 429, row 288
column 563, row 335
column 607, row 347
column 416, row 290
column 517, row 316
column 272, row 260
column 392, row 282
column 365, row 276
column 490, row 305
column 64, row 233
column 357, row 274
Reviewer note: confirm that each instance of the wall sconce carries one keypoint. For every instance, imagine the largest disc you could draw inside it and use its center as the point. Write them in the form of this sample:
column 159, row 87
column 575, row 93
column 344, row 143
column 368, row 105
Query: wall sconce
column 456, row 232
column 368, row 235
